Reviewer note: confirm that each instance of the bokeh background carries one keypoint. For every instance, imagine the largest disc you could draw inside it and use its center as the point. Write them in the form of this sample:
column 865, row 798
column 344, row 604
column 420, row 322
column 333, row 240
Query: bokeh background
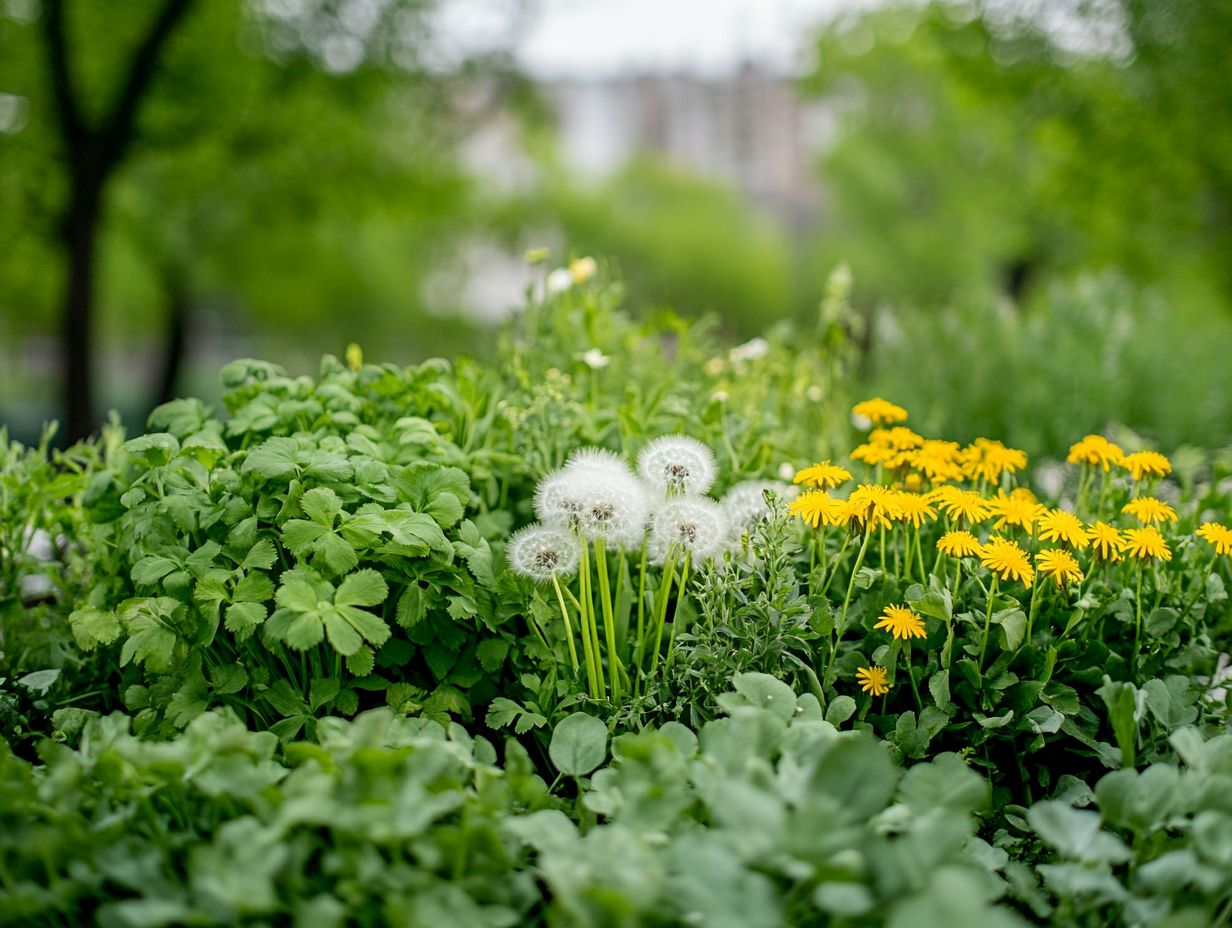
column 1033, row 197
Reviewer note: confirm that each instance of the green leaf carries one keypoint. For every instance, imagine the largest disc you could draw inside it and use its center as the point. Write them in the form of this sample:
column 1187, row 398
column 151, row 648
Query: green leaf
column 1013, row 624
column 261, row 555
column 338, row 553
column 149, row 570
column 491, row 653
column 1121, row 700
column 344, row 637
column 299, row 535
column 1172, row 701
column 857, row 774
column 305, row 631
column 255, row 587
column 1076, row 833
column 361, row 662
column 945, row 782
column 371, row 627
column 245, row 618
column 92, row 627
column 994, row 721
column 412, row 606
column 298, row 594
column 764, row 692
column 40, row 681
column 579, row 744
column 362, row 588
column 226, row 679
column 273, row 459
column 841, row 708
column 502, row 712
column 321, row 505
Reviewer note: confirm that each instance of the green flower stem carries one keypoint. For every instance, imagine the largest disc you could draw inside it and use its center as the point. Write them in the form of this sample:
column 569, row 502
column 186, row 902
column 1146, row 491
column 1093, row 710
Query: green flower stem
column 919, row 704
column 1032, row 609
column 564, row 613
column 609, row 623
column 1200, row 588
column 992, row 598
column 680, row 595
column 838, row 558
column 640, row 648
column 1137, row 611
column 851, row 585
column 588, row 623
column 661, row 598
column 919, row 555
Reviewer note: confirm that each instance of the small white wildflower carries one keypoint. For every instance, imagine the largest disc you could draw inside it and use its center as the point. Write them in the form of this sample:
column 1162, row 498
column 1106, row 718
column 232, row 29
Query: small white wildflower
column 541, row 552
column 719, row 396
column 696, row 524
column 713, row 367
column 582, row 269
column 861, row 423
column 558, row 281
column 677, row 464
column 786, row 471
column 813, row 394
column 751, row 350
column 594, row 359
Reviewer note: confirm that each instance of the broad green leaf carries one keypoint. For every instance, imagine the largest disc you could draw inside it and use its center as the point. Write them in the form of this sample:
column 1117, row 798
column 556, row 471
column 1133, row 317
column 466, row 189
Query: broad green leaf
column 242, row 619
column 344, row 637
column 255, row 587
column 362, row 588
column 840, row 709
column 298, row 594
column 857, row 774
column 149, row 570
column 300, row 534
column 261, row 555
column 1076, row 833
column 305, row 631
column 371, row 627
column 337, row 552
column 412, row 606
column 579, row 744
column 321, row 505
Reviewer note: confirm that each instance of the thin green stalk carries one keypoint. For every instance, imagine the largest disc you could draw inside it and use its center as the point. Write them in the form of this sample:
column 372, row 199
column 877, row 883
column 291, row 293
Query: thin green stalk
column 838, row 559
column 680, row 594
column 919, row 556
column 588, row 622
column 1137, row 612
column 564, row 613
column 851, row 585
column 661, row 598
column 640, row 649
column 1032, row 609
column 919, row 704
column 609, row 623
column 992, row 598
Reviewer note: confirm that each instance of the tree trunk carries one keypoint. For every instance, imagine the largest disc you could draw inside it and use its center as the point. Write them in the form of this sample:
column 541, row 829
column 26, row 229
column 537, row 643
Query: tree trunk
column 80, row 239
column 175, row 338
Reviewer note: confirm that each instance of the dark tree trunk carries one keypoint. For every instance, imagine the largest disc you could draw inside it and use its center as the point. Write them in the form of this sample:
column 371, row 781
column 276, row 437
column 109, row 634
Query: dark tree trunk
column 175, row 338
column 80, row 238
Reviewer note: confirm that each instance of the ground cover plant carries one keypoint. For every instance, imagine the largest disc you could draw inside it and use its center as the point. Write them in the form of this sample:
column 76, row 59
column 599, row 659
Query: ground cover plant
column 631, row 627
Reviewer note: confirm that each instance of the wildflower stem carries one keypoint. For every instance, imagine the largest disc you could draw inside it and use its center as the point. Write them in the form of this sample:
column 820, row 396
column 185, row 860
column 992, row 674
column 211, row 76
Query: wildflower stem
column 1200, row 587
column 564, row 612
column 851, row 585
column 609, row 623
column 1032, row 609
column 992, row 599
column 919, row 555
column 1137, row 611
column 680, row 594
column 589, row 631
column 661, row 597
column 641, row 615
column 919, row 704
column 838, row 559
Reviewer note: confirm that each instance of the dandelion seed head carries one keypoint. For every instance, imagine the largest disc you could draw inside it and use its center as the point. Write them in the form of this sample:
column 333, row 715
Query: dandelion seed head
column 677, row 464
column 542, row 551
column 696, row 524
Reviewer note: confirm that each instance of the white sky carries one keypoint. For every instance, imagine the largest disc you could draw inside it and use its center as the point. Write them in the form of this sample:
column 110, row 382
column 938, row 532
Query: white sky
column 602, row 38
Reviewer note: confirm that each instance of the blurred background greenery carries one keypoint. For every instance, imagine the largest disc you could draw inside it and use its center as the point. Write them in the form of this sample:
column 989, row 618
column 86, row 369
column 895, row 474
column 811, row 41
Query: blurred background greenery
column 1034, row 198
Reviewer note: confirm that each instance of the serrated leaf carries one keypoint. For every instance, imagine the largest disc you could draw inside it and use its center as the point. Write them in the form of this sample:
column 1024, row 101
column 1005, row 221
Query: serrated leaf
column 362, row 588
column 337, row 552
column 305, row 631
column 228, row 678
column 361, row 662
column 412, row 606
column 321, row 505
column 342, row 635
column 299, row 535
column 261, row 555
column 242, row 619
column 149, row 570
column 491, row 653
column 298, row 594
column 255, row 587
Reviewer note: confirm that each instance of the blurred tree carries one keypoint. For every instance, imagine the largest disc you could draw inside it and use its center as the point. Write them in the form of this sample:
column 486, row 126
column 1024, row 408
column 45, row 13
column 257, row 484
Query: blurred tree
column 986, row 145
column 218, row 150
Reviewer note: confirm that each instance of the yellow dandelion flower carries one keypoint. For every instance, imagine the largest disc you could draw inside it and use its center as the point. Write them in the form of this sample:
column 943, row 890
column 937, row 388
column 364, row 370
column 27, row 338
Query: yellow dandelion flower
column 913, row 508
column 1060, row 565
column 962, row 505
column 1096, row 451
column 824, row 475
column 872, row 505
column 901, row 622
column 988, row 459
column 873, row 454
column 1142, row 464
column 1107, row 541
column 959, row 544
column 1144, row 543
column 873, row 680
column 878, row 411
column 1218, row 535
column 1064, row 527
column 818, row 508
column 938, row 460
column 1016, row 509
column 1148, row 509
column 913, row 482
column 899, row 437
column 1007, row 560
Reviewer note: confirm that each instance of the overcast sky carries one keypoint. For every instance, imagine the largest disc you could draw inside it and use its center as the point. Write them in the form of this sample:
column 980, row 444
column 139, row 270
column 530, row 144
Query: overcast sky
column 600, row 38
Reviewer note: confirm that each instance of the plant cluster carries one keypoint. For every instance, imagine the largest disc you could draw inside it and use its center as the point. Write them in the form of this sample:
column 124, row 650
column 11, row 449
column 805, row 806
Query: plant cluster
column 607, row 633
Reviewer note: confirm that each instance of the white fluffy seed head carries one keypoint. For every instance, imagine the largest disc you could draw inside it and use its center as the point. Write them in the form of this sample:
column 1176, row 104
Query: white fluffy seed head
column 745, row 503
column 542, row 551
column 559, row 499
column 614, row 507
column 696, row 524
column 677, row 464
column 600, row 460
